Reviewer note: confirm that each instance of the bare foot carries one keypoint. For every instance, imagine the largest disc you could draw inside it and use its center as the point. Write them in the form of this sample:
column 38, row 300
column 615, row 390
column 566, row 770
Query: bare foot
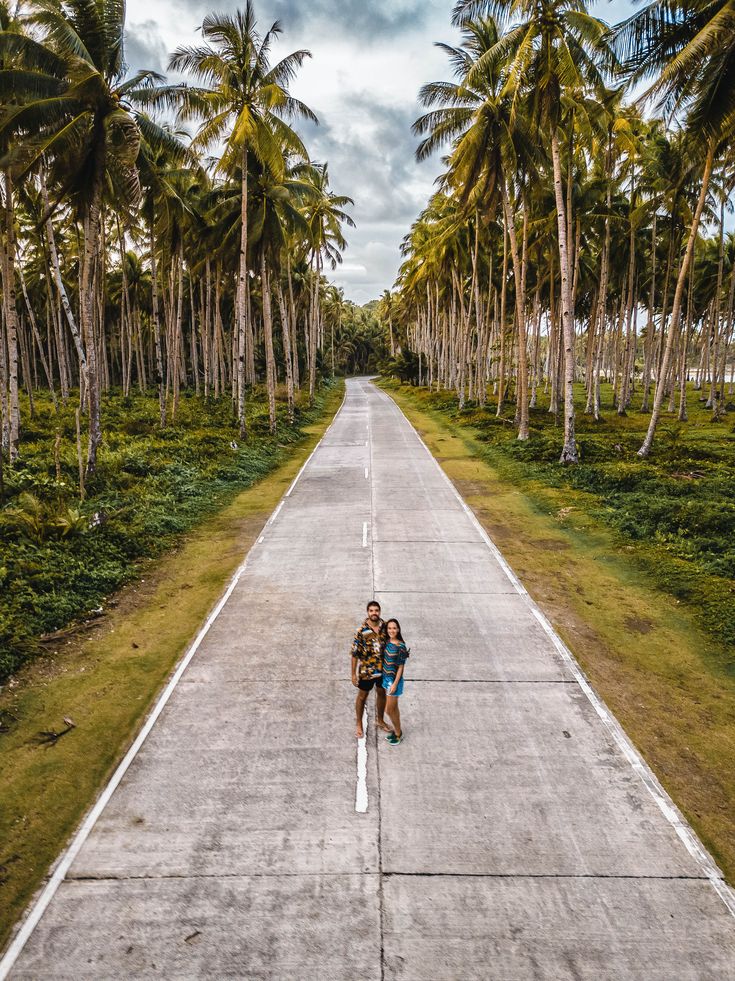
column 358, row 731
column 382, row 725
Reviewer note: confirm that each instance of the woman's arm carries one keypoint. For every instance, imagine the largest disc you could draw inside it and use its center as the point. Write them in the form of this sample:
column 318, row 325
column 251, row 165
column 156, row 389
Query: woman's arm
column 399, row 675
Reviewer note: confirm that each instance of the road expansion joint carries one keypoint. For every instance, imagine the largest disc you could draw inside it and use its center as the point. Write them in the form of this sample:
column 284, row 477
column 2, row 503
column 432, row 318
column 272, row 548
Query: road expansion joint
column 381, row 911
column 494, row 681
column 164, row 876
column 542, row 875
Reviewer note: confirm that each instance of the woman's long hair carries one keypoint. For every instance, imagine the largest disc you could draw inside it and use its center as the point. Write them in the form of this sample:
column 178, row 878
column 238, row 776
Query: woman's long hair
column 400, row 635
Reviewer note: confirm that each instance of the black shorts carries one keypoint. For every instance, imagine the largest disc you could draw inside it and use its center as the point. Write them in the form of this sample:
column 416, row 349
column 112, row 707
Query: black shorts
column 367, row 684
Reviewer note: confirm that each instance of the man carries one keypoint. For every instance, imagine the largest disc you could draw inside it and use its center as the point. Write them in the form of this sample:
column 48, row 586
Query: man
column 367, row 666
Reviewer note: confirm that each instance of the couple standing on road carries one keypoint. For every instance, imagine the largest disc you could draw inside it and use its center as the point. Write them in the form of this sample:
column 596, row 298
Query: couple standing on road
column 378, row 659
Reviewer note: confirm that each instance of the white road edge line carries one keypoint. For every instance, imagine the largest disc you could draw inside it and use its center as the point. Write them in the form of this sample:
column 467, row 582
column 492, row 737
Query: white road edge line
column 364, row 534
column 67, row 857
column 665, row 804
column 361, row 791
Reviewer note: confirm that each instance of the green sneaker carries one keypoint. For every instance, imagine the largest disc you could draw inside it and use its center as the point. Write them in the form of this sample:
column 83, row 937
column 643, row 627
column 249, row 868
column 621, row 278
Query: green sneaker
column 393, row 739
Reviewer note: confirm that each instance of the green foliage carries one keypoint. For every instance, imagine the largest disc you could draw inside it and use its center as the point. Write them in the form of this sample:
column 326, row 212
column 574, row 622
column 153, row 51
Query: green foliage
column 60, row 558
column 404, row 366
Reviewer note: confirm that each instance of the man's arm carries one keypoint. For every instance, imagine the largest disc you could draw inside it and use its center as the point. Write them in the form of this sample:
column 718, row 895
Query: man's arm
column 356, row 651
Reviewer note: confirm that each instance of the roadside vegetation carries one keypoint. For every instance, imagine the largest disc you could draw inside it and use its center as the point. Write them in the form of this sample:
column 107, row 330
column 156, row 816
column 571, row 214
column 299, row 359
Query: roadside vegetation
column 62, row 557
column 644, row 615
column 67, row 717
column 579, row 231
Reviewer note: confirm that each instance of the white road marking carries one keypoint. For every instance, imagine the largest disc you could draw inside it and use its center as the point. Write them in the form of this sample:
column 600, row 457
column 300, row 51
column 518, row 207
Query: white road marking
column 261, row 539
column 364, row 534
column 361, row 791
column 366, row 473
column 665, row 804
column 67, row 857
column 275, row 513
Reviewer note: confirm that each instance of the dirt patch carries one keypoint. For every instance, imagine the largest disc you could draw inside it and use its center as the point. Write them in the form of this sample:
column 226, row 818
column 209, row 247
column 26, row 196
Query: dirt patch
column 638, row 625
column 471, row 488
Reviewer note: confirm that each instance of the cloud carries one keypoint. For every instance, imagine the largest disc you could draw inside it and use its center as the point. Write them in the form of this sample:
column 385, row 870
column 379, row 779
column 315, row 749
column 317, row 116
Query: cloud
column 370, row 20
column 370, row 58
column 145, row 48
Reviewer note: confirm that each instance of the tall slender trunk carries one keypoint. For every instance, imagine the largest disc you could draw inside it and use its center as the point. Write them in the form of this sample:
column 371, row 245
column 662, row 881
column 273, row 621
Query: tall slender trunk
column 287, row 354
column 522, row 394
column 569, row 453
column 11, row 320
column 270, row 360
column 91, row 240
column 155, row 316
column 292, row 323
column 37, row 337
column 676, row 309
column 314, row 328
column 501, row 325
column 242, row 294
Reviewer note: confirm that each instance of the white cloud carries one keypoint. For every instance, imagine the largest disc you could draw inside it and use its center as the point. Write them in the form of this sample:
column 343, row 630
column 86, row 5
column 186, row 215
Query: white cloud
column 370, row 57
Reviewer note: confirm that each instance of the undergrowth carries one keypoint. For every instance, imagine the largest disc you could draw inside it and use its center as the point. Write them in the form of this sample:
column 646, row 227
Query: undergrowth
column 61, row 557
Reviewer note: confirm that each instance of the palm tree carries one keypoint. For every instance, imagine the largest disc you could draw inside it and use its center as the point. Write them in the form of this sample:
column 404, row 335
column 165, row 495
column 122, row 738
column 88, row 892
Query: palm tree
column 275, row 219
column 80, row 121
column 244, row 101
column 478, row 114
column 689, row 51
column 556, row 49
column 325, row 216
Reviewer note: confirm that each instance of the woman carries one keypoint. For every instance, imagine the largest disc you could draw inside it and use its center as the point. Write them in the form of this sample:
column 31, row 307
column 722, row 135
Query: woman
column 395, row 653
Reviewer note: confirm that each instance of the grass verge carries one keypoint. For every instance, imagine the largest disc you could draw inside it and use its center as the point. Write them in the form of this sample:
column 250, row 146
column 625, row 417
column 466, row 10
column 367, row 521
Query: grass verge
column 106, row 678
column 660, row 672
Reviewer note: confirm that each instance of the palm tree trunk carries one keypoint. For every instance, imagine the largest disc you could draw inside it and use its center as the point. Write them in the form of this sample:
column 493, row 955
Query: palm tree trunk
column 91, row 240
column 11, row 319
column 569, row 452
column 287, row 354
column 37, row 337
column 242, row 292
column 501, row 323
column 270, row 361
column 63, row 296
column 520, row 312
column 155, row 316
column 292, row 324
column 649, row 346
column 676, row 308
column 314, row 327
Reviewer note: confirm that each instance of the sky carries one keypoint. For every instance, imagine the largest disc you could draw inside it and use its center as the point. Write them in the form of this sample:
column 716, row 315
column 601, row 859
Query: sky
column 369, row 60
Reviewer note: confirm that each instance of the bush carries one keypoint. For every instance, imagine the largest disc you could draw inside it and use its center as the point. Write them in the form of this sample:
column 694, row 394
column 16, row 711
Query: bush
column 60, row 559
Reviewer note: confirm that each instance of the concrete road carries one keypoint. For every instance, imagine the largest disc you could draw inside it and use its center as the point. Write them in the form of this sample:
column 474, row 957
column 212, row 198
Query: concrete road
column 513, row 835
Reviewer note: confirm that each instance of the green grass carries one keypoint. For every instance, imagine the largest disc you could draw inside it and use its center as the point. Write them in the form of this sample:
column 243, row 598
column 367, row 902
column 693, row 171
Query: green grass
column 60, row 558
column 106, row 679
column 660, row 660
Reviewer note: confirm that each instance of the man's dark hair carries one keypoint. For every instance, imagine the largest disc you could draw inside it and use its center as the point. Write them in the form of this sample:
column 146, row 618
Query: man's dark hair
column 372, row 603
